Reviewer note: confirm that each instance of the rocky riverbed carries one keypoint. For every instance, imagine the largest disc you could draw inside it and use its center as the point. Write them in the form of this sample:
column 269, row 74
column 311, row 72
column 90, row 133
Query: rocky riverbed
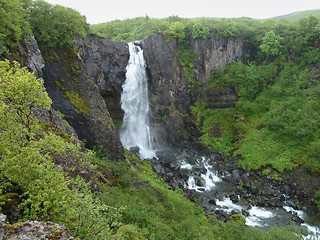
column 223, row 189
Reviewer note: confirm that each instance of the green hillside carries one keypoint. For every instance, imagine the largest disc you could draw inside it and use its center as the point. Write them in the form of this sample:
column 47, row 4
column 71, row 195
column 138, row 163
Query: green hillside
column 296, row 16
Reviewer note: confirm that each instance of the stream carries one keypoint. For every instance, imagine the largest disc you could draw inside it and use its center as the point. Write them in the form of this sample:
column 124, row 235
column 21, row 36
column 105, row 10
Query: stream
column 198, row 176
column 203, row 175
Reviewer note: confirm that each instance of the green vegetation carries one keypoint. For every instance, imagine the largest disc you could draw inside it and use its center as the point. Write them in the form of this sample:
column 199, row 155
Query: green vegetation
column 275, row 122
column 13, row 23
column 27, row 154
column 130, row 201
column 52, row 25
column 275, row 125
column 55, row 25
column 180, row 28
column 296, row 16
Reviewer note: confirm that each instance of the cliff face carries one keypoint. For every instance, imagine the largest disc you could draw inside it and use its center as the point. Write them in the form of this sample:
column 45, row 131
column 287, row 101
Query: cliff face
column 169, row 89
column 215, row 54
column 86, row 85
column 31, row 57
column 77, row 96
column 106, row 63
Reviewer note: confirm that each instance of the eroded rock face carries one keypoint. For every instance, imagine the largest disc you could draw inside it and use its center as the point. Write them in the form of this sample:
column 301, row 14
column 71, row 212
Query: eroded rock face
column 75, row 94
column 215, row 54
column 168, row 88
column 170, row 94
column 106, row 63
column 30, row 55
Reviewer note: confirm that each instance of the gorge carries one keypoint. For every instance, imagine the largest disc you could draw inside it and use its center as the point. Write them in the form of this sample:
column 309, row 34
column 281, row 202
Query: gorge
column 217, row 190
column 202, row 129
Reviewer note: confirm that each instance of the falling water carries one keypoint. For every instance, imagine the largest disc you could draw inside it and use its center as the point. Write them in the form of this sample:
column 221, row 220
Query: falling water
column 135, row 130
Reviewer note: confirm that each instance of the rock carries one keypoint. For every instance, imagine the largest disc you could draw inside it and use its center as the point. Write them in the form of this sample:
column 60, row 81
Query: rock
column 31, row 56
column 245, row 213
column 199, row 181
column 168, row 94
column 31, row 230
column 157, row 168
column 11, row 205
column 291, row 204
column 106, row 63
column 135, row 150
column 297, row 219
column 76, row 95
column 236, row 174
column 2, row 223
column 234, row 198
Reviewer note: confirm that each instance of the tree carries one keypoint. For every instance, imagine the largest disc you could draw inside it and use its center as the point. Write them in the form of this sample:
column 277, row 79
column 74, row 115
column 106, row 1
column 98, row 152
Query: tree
column 20, row 94
column 272, row 44
column 14, row 23
column 56, row 25
column 200, row 30
column 177, row 31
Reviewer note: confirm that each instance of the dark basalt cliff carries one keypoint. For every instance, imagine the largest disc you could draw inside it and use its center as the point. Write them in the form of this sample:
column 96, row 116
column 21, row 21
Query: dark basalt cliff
column 106, row 63
column 76, row 82
column 86, row 84
column 169, row 89
column 29, row 56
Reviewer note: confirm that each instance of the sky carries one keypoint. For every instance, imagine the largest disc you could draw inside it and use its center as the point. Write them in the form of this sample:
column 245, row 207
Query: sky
column 99, row 11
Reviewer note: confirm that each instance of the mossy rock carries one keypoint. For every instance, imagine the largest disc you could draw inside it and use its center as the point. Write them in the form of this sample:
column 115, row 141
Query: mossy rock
column 10, row 205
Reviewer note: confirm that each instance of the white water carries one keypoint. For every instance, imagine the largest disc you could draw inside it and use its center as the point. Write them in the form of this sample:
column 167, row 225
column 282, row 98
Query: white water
column 228, row 206
column 208, row 179
column 135, row 130
column 257, row 216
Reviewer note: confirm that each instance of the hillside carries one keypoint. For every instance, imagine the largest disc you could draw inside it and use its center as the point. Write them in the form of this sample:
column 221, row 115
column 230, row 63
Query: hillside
column 238, row 97
column 296, row 16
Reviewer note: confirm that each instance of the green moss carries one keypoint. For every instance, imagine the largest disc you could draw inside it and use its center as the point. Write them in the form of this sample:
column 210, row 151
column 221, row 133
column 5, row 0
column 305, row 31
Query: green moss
column 77, row 102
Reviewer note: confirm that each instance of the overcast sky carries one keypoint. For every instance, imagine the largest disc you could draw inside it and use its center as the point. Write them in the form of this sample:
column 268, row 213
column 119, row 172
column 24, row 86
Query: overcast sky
column 98, row 11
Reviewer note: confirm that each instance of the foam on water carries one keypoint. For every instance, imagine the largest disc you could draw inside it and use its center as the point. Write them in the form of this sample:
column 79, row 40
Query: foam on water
column 228, row 206
column 135, row 130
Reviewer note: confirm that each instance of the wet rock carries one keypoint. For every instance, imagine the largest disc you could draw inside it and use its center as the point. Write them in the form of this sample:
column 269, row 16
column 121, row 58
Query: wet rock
column 291, row 204
column 222, row 215
column 245, row 213
column 297, row 219
column 234, row 198
column 11, row 205
column 135, row 150
column 276, row 202
column 236, row 174
column 199, row 181
column 157, row 168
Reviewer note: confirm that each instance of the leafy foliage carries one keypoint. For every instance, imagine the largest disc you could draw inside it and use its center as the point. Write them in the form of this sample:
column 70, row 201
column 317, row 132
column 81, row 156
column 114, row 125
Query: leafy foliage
column 275, row 122
column 26, row 153
column 141, row 27
column 200, row 30
column 272, row 44
column 177, row 30
column 55, row 25
column 13, row 23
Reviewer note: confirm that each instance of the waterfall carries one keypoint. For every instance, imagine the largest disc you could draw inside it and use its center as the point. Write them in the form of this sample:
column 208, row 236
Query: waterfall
column 135, row 129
